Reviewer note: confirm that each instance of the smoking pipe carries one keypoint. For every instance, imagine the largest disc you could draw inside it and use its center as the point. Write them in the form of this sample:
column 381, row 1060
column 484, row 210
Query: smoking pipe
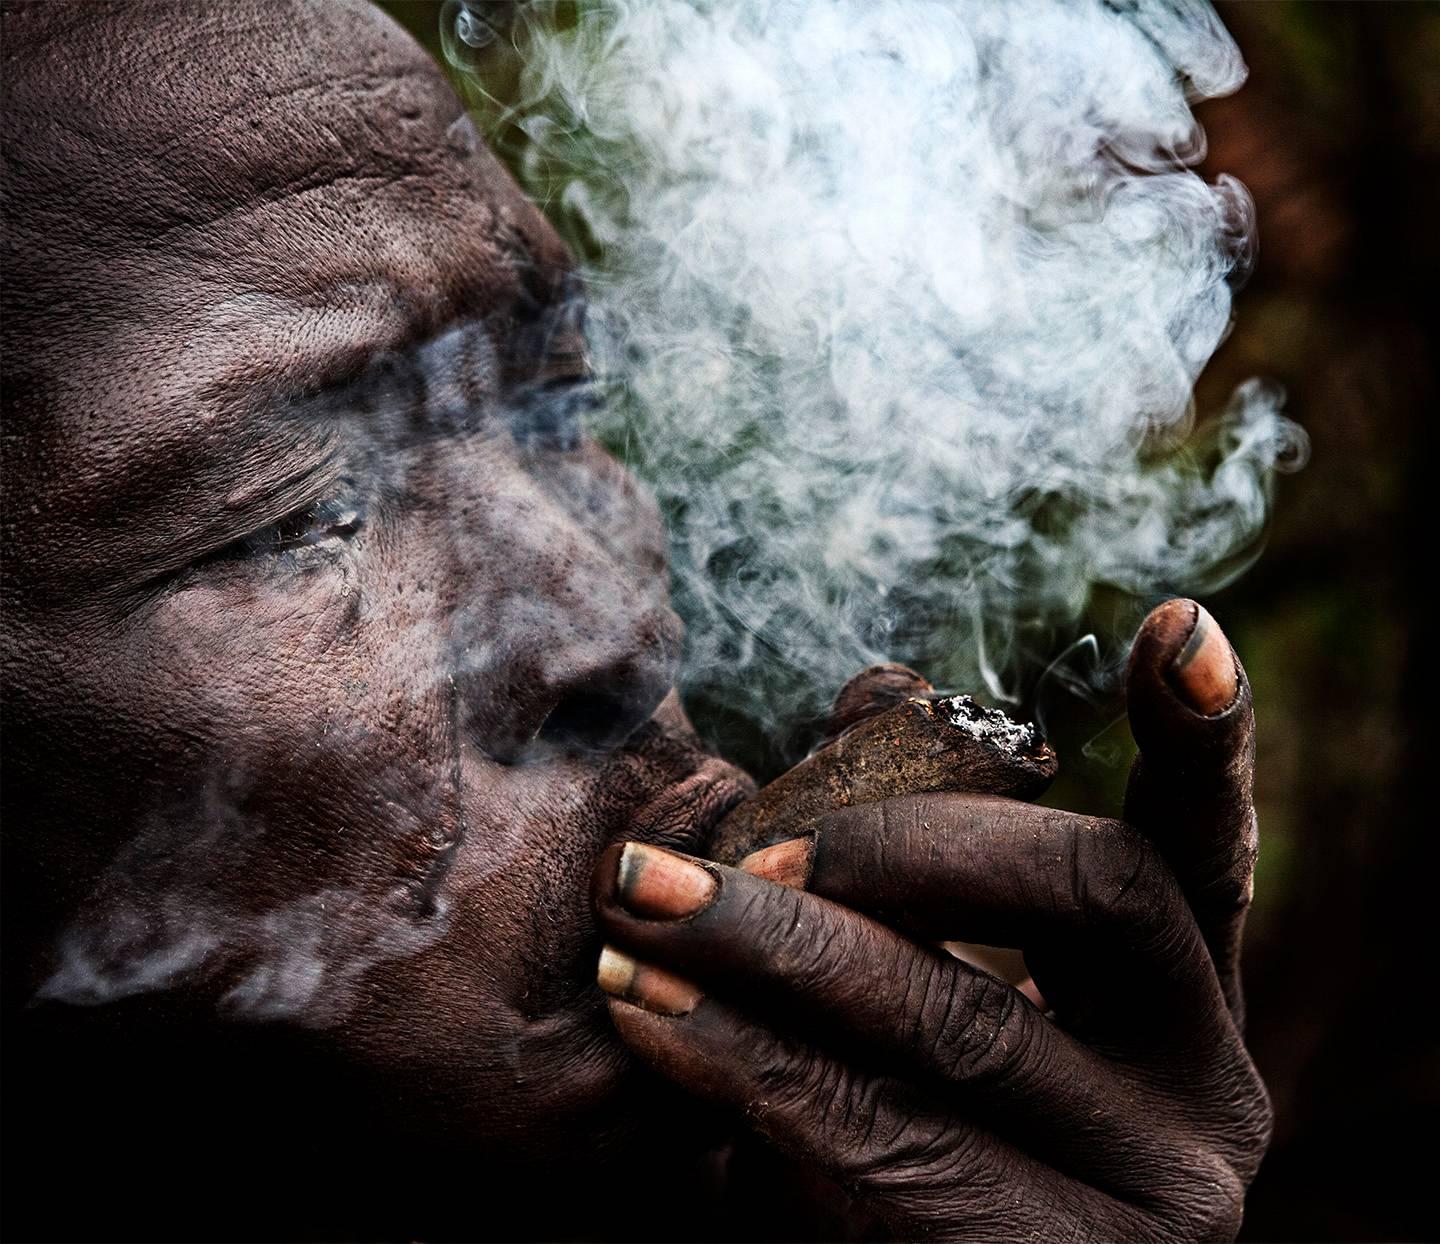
column 896, row 736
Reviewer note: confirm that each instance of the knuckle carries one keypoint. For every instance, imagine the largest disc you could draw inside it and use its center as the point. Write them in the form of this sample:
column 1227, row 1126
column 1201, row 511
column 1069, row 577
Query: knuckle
column 770, row 1060
column 1210, row 1204
column 1123, row 887
column 980, row 1037
column 1260, row 1129
column 931, row 1152
column 785, row 1076
column 850, row 1112
column 799, row 944
column 902, row 1145
column 1210, row 1172
column 838, row 1109
column 929, row 1000
column 870, row 1132
column 1246, row 1123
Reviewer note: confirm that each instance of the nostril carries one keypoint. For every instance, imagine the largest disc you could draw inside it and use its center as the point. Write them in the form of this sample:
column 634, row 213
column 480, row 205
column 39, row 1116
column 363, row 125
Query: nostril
column 589, row 721
column 587, row 693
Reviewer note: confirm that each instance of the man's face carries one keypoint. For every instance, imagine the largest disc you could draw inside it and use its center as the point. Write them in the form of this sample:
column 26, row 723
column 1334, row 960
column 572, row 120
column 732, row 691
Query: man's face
column 334, row 650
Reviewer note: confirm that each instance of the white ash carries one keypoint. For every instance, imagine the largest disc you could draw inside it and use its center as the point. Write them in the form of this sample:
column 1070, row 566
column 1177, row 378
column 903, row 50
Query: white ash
column 989, row 725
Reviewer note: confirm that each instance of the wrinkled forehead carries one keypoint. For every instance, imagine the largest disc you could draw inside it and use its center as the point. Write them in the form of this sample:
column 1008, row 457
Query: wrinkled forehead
column 208, row 202
column 163, row 123
column 186, row 102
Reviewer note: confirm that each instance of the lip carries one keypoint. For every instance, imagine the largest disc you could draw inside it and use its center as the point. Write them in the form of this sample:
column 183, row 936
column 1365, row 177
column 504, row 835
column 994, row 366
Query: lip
column 681, row 817
column 685, row 815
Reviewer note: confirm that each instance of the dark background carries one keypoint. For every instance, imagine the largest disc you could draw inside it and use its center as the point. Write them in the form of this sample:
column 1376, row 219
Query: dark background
column 1337, row 136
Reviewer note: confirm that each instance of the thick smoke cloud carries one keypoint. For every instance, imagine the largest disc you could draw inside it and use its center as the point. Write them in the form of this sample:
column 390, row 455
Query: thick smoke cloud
column 901, row 305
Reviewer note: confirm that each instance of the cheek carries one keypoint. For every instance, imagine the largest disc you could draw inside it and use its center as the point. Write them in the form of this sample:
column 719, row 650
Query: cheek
column 608, row 503
column 331, row 696
column 298, row 752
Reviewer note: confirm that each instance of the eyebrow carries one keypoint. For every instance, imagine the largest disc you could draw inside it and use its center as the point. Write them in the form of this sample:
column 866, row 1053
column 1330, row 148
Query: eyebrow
column 266, row 435
column 286, row 470
column 271, row 497
column 263, row 438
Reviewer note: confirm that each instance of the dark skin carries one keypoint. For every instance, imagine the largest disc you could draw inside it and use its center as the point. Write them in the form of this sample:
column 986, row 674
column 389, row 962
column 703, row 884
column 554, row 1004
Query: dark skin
column 336, row 658
column 1122, row 1106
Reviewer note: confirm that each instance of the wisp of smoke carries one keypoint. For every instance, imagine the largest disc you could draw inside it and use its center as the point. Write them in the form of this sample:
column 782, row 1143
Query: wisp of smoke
column 901, row 304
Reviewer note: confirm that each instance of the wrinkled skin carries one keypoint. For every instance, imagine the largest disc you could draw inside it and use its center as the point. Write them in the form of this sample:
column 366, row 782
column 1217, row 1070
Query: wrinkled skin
column 1117, row 1104
column 334, row 659
column 296, row 279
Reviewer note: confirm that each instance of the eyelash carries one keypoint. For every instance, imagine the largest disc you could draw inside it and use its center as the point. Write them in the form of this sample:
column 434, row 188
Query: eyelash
column 314, row 524
column 338, row 517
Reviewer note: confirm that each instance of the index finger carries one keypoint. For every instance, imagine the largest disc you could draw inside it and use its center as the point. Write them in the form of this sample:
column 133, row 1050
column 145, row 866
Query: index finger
column 1105, row 929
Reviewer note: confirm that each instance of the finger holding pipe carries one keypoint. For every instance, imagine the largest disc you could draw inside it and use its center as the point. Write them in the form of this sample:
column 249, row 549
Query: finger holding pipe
column 1107, row 933
column 788, row 863
column 1104, row 928
column 681, row 929
column 874, row 1134
column 871, row 692
column 1191, row 788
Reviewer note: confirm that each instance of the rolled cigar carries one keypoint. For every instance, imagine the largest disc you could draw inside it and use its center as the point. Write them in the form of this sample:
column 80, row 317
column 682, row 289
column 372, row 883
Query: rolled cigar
column 924, row 743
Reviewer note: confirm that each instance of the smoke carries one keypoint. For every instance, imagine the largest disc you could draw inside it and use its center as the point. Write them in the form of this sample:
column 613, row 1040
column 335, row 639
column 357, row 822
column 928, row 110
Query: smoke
column 900, row 306
column 166, row 913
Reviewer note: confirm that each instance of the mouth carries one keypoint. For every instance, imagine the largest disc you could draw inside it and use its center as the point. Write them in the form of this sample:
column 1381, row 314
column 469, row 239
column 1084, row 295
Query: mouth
column 684, row 816
column 677, row 796
column 681, row 816
column 660, row 788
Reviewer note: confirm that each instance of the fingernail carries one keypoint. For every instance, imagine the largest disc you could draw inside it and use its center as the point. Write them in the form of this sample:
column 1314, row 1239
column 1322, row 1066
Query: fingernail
column 1032, row 991
column 1203, row 673
column 663, row 886
column 785, row 862
column 650, row 988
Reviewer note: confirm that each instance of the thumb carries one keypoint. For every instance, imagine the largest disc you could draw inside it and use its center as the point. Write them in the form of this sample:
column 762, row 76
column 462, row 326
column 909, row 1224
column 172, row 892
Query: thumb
column 871, row 692
column 1191, row 790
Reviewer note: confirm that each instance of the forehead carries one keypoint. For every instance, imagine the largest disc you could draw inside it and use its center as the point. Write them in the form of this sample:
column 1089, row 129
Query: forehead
column 212, row 203
column 243, row 136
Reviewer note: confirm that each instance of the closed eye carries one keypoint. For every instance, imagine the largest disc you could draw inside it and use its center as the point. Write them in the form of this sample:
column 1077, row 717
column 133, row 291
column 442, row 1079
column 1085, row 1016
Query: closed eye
column 337, row 517
column 323, row 520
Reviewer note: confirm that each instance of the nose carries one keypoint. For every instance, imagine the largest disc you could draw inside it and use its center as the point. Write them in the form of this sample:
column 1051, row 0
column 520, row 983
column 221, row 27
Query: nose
column 566, row 667
column 599, row 711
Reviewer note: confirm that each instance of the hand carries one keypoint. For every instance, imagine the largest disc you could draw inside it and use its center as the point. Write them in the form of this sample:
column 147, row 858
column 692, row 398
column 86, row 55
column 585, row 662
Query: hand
column 939, row 1095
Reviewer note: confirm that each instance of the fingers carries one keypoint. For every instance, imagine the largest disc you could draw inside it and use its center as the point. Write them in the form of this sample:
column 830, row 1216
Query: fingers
column 828, row 968
column 922, row 1168
column 1111, row 942
column 1106, row 932
column 854, row 985
column 1192, row 785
